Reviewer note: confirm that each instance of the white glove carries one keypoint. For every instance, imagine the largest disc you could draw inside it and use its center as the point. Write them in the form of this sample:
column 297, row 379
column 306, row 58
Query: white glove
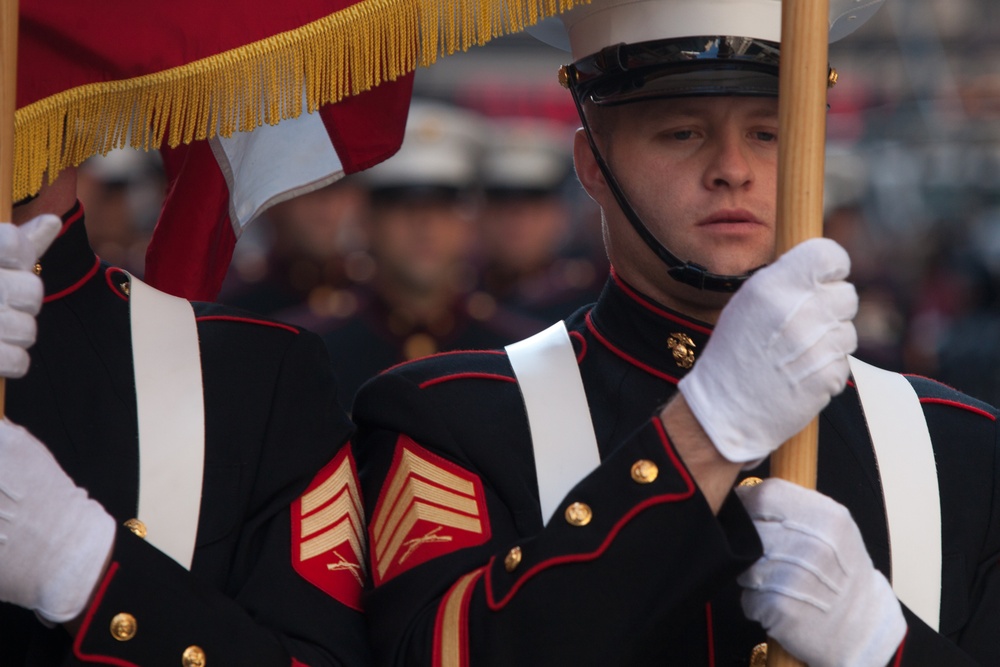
column 778, row 353
column 21, row 291
column 815, row 590
column 54, row 540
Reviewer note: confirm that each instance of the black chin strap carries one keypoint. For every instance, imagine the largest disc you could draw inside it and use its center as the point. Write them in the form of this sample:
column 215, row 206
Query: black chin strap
column 688, row 273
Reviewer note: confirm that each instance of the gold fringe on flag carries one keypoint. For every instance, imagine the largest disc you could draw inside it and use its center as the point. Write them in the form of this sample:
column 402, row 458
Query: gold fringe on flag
column 343, row 54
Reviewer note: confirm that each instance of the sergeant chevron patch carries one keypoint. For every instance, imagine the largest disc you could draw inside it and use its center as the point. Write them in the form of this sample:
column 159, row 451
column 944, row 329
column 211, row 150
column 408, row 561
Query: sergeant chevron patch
column 428, row 508
column 328, row 548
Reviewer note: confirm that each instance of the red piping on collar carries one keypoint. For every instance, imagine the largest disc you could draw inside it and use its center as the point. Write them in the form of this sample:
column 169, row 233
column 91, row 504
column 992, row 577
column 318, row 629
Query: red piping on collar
column 75, row 286
column 632, row 294
column 632, row 360
column 69, row 221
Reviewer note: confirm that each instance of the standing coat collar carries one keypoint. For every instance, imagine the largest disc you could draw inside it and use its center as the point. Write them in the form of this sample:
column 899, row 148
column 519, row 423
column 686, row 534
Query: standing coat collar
column 69, row 261
column 637, row 328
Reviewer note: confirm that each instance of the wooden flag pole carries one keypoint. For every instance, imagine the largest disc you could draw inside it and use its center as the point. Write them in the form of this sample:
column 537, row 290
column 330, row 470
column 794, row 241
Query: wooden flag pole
column 801, row 150
column 8, row 105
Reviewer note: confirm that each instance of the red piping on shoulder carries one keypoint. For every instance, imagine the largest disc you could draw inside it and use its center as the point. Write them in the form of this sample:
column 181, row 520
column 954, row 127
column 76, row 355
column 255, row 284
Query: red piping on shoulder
column 465, row 376
column 75, row 286
column 956, row 404
column 247, row 320
column 442, row 354
column 653, row 309
column 88, row 619
column 497, row 605
column 630, row 359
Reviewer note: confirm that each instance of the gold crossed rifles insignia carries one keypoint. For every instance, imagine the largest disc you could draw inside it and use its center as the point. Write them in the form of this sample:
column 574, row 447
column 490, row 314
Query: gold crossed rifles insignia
column 428, row 507
column 330, row 537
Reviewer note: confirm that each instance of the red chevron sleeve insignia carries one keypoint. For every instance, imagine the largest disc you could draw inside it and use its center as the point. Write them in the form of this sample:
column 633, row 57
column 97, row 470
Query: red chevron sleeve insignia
column 429, row 507
column 328, row 519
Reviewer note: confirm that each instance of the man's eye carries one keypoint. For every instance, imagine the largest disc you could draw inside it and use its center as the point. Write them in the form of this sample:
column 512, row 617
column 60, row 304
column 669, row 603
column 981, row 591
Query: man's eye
column 765, row 136
column 682, row 135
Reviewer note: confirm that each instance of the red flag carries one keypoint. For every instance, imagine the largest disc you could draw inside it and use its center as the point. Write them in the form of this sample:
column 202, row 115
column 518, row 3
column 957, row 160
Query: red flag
column 216, row 188
column 98, row 76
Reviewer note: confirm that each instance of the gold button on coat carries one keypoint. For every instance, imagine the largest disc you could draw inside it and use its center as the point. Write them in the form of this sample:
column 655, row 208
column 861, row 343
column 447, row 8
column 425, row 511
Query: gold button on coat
column 644, row 471
column 751, row 481
column 579, row 514
column 193, row 656
column 123, row 627
column 758, row 656
column 513, row 559
column 137, row 527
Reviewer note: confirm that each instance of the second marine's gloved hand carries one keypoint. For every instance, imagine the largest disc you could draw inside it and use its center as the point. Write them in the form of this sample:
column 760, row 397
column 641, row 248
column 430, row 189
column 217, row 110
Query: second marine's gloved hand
column 21, row 290
column 778, row 353
column 815, row 589
column 54, row 540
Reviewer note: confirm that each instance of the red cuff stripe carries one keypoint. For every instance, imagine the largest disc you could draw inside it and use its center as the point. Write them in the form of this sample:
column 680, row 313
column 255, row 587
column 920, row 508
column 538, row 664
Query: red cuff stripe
column 497, row 605
column 248, row 320
column 88, row 619
column 899, row 652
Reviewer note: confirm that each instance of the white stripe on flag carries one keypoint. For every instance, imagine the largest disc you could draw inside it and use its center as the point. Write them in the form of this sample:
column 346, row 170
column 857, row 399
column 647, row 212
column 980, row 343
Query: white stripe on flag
column 275, row 163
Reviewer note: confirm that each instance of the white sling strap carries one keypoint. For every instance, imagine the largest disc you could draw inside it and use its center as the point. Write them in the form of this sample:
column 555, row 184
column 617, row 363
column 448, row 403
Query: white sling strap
column 909, row 486
column 562, row 432
column 171, row 416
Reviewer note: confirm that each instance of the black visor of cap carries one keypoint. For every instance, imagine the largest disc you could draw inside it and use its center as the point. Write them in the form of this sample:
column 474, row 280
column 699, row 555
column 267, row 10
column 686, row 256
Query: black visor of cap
column 684, row 67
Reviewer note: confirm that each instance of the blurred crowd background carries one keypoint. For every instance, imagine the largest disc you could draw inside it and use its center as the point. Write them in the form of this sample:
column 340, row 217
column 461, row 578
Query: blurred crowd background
column 477, row 234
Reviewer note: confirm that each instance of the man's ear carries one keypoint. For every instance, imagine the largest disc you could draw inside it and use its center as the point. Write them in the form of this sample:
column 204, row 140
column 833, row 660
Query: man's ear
column 587, row 171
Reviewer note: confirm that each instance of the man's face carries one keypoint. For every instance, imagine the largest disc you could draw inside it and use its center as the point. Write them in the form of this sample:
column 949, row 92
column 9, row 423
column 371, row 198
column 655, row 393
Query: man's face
column 422, row 244
column 701, row 173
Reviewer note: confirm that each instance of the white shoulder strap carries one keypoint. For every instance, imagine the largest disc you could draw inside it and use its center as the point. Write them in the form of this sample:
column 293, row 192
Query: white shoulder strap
column 562, row 433
column 171, row 414
column 908, row 472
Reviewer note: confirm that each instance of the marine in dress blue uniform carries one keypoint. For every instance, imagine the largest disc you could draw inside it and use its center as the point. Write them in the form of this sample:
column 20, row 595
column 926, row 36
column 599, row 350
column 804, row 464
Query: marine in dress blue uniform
column 638, row 566
column 273, row 435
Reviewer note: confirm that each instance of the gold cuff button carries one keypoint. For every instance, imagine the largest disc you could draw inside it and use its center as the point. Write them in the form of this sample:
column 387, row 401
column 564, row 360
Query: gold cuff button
column 37, row 268
column 579, row 514
column 137, row 527
column 513, row 559
column 193, row 656
column 758, row 656
column 123, row 627
column 751, row 481
column 644, row 471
